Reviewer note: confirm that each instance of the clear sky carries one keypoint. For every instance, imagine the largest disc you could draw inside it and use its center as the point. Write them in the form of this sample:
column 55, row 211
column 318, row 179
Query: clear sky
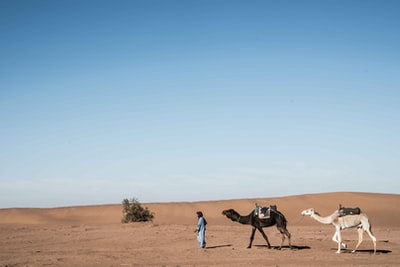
column 196, row 100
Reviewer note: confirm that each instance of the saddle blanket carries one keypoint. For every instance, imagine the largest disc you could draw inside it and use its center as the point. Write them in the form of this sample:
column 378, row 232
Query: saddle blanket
column 348, row 211
column 263, row 212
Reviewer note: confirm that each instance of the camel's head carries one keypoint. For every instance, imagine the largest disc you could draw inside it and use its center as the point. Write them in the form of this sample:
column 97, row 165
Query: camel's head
column 227, row 212
column 231, row 214
column 308, row 212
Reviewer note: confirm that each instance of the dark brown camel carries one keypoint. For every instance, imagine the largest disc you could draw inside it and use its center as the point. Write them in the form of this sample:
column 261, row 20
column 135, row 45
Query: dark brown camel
column 276, row 218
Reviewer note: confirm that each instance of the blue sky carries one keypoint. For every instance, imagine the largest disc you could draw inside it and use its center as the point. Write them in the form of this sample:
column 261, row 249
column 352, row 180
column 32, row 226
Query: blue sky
column 196, row 100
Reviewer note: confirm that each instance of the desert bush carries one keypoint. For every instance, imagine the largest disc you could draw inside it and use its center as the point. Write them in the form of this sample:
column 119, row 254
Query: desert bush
column 134, row 212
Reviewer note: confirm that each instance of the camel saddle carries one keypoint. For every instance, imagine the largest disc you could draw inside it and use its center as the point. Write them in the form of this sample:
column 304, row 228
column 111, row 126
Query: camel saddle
column 348, row 211
column 264, row 212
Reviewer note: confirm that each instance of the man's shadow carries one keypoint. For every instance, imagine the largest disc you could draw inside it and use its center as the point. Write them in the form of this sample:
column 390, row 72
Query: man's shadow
column 219, row 246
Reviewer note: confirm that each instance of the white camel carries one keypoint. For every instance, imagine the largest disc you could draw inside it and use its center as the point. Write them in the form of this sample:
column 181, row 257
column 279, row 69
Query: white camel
column 349, row 221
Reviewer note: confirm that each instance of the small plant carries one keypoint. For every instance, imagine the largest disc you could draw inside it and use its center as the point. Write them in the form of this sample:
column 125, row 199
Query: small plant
column 134, row 212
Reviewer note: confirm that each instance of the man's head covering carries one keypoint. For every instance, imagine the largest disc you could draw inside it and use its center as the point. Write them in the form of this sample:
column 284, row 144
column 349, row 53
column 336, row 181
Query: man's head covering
column 199, row 214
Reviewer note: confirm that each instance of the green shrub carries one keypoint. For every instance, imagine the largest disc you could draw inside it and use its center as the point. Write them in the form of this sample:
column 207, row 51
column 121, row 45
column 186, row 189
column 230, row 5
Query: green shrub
column 134, row 212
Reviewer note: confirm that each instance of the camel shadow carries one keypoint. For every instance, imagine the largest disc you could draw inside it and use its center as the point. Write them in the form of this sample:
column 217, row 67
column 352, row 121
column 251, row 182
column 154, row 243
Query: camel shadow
column 366, row 251
column 219, row 246
column 294, row 247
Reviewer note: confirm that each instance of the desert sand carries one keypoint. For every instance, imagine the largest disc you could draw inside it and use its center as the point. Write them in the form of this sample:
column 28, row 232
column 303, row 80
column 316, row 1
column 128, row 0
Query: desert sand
column 94, row 235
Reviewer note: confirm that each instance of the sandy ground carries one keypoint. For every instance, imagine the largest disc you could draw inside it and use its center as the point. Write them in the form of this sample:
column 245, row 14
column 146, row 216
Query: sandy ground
column 94, row 236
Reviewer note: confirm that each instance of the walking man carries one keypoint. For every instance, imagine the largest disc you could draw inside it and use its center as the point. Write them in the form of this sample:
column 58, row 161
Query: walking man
column 201, row 229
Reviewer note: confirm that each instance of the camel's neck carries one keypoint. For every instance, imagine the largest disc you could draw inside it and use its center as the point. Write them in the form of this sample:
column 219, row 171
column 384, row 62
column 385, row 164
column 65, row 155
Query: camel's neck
column 244, row 219
column 325, row 220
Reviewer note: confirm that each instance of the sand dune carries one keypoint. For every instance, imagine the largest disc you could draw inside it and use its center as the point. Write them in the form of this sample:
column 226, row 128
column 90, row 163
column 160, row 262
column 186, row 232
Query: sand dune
column 383, row 209
column 94, row 236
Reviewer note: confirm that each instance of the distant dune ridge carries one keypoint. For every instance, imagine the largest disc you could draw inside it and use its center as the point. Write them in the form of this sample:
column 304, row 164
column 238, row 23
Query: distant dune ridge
column 382, row 209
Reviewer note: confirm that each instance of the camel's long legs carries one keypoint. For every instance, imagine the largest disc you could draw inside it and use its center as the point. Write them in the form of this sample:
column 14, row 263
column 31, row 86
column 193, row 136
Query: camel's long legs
column 288, row 235
column 334, row 237
column 373, row 238
column 283, row 240
column 337, row 237
column 265, row 237
column 360, row 238
column 253, row 231
column 284, row 232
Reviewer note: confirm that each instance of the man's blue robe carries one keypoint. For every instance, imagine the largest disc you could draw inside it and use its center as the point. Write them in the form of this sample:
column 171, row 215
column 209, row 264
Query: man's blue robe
column 201, row 232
